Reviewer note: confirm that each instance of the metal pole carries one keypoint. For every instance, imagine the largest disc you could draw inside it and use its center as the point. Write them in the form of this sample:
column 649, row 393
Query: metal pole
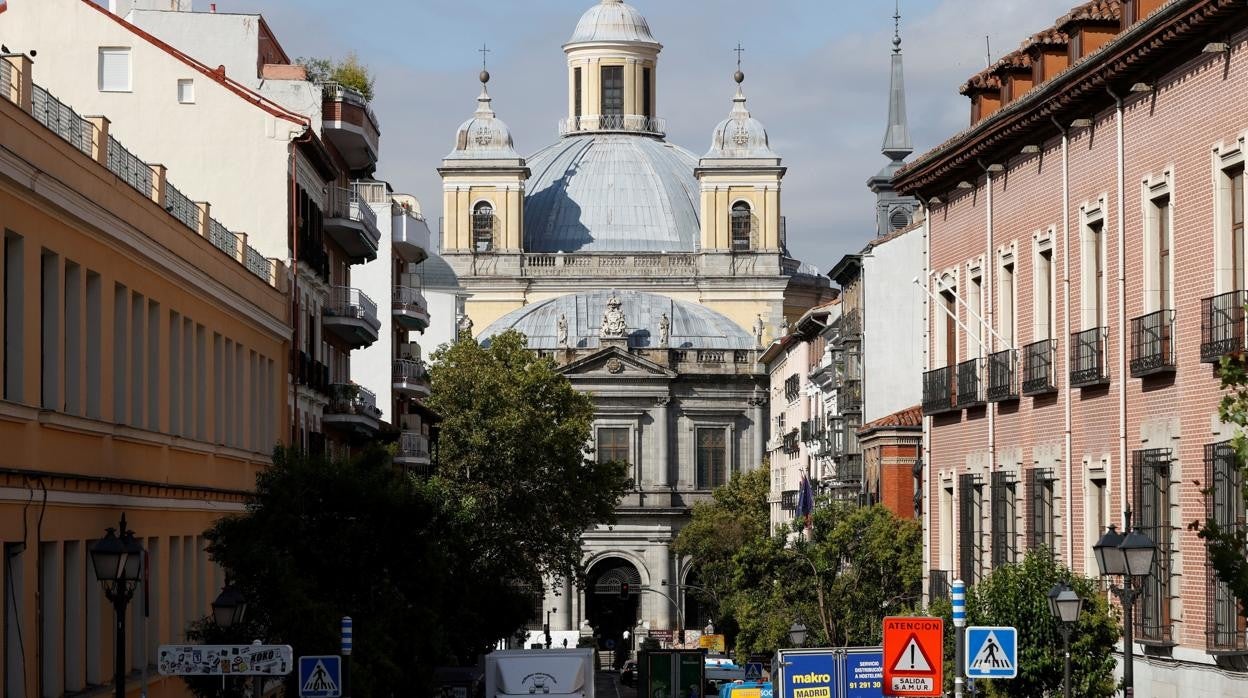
column 1066, row 665
column 119, row 654
column 347, row 643
column 1128, row 649
column 959, row 644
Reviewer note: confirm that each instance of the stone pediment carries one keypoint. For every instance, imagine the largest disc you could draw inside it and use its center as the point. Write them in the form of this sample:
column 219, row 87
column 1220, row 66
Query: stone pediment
column 615, row 362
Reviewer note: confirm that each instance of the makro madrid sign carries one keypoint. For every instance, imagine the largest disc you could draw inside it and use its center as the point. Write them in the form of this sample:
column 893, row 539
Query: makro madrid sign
column 809, row 674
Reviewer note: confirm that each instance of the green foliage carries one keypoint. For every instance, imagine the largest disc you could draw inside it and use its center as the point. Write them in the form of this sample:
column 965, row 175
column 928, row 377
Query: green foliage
column 348, row 72
column 1017, row 595
column 513, row 440
column 1226, row 545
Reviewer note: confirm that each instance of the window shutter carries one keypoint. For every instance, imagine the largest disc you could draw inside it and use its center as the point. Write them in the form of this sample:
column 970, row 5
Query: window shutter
column 114, row 70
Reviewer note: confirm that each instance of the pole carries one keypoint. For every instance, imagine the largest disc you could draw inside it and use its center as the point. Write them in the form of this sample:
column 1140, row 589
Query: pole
column 1128, row 650
column 959, row 644
column 347, row 632
column 1066, row 664
column 119, row 654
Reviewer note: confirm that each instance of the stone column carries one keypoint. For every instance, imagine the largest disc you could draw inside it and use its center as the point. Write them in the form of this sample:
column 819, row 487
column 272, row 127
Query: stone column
column 659, row 562
column 661, row 474
column 756, row 413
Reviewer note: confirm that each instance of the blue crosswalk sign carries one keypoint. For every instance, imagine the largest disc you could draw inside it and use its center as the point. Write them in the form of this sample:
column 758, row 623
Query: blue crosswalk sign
column 991, row 652
column 753, row 671
column 320, row 677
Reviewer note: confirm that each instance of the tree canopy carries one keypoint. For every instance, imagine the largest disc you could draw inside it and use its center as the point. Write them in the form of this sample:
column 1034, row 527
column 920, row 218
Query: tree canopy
column 348, row 72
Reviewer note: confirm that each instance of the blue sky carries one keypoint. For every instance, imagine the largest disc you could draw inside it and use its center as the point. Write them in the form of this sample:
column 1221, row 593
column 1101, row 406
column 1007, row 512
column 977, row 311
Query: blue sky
column 817, row 77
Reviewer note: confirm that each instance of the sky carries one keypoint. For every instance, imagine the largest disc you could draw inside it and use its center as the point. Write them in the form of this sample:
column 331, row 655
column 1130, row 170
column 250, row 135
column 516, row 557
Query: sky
column 816, row 76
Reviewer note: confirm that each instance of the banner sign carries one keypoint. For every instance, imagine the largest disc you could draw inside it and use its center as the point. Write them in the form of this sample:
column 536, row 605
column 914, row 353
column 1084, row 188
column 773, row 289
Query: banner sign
column 219, row 660
column 863, row 673
column 808, row 673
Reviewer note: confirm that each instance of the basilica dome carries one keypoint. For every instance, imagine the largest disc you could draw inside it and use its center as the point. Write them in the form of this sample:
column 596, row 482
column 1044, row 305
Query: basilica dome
column 612, row 20
column 607, row 192
column 692, row 326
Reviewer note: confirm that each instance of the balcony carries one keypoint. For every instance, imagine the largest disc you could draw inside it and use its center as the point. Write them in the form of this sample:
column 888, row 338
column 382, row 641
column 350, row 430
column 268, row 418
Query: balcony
column 971, row 383
column 1038, row 362
column 309, row 373
column 348, row 122
column 938, row 391
column 851, row 325
column 1002, row 376
column 1221, row 325
column 788, row 500
column 351, row 316
column 410, row 378
column 353, row 408
column 1152, row 344
column 1087, row 366
column 413, row 450
column 409, row 307
column 351, row 222
column 849, row 469
column 849, row 396
column 625, row 123
column 409, row 233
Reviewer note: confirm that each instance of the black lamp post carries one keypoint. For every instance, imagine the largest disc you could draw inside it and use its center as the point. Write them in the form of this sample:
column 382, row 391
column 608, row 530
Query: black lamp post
column 546, row 627
column 1065, row 606
column 118, row 563
column 1130, row 557
column 797, row 634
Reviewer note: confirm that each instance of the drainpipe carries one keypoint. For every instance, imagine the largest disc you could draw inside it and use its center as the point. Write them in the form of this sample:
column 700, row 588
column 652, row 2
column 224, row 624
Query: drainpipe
column 1066, row 436
column 987, row 321
column 925, row 481
column 1122, row 310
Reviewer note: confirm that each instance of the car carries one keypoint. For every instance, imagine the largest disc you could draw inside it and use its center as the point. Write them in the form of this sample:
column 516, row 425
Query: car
column 628, row 674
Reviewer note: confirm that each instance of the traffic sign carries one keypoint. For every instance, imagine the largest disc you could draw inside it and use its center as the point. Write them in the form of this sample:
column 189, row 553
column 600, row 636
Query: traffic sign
column 991, row 652
column 320, row 677
column 753, row 671
column 914, row 656
column 219, row 660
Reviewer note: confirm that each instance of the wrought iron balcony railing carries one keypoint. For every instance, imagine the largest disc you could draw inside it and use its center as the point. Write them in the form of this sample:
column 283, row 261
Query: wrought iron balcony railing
column 633, row 123
column 1087, row 365
column 939, row 390
column 971, row 383
column 1222, row 325
column 1152, row 343
column 1002, row 376
column 1039, row 376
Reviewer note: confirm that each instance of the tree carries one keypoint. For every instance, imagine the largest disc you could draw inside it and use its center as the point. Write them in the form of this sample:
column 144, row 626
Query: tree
column 513, row 440
column 1016, row 595
column 1228, row 544
column 348, row 72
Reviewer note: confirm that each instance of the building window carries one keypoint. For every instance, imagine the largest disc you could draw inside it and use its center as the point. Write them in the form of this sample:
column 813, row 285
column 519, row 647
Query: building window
column 1224, row 502
column 947, row 328
column 1237, row 227
column 1040, row 493
column 647, row 105
column 1043, row 295
column 1161, row 212
column 613, row 445
column 114, row 69
column 712, row 457
column 186, row 91
column 742, row 226
column 1006, row 298
column 1152, row 500
column 1093, row 281
column 613, row 95
column 792, row 388
column 577, row 94
column 975, row 302
column 970, row 526
column 1004, row 518
column 483, row 227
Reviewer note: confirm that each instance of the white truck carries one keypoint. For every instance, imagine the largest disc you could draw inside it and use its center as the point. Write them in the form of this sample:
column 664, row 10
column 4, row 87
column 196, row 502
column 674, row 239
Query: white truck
column 547, row 673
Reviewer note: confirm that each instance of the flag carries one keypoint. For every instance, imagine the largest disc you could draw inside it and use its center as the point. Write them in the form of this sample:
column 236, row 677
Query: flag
column 805, row 500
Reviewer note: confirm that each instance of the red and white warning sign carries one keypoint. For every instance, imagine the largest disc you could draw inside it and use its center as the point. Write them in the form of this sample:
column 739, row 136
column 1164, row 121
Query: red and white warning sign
column 913, row 656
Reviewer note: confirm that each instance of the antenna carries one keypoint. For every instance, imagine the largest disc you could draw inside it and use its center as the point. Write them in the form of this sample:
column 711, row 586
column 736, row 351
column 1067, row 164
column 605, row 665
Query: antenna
column 988, row 47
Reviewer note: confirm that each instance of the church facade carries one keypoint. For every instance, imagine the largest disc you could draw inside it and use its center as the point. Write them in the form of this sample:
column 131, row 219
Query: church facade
column 654, row 278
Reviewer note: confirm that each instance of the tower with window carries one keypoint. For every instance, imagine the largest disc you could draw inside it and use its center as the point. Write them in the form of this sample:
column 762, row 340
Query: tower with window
column 612, row 64
column 740, row 179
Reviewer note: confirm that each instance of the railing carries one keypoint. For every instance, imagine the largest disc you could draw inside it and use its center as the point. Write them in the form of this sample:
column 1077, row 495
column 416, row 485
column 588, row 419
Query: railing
column 127, row 166
column 352, row 303
column 338, row 92
column 711, row 356
column 1038, row 362
column 309, row 372
column 372, row 192
column 181, row 207
column 608, row 264
column 970, row 383
column 1002, row 383
column 1222, row 325
column 849, row 395
column 939, row 390
column 851, row 323
column 347, row 203
column 937, row 585
column 410, row 299
column 257, row 263
column 849, row 468
column 398, row 209
column 221, row 237
column 1152, row 343
column 408, row 371
column 788, row 500
column 413, row 445
column 352, row 399
column 6, row 79
column 1087, row 365
column 64, row 121
column 612, row 122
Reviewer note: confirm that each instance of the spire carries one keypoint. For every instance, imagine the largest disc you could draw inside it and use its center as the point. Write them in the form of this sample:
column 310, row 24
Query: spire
column 483, row 99
column 897, row 138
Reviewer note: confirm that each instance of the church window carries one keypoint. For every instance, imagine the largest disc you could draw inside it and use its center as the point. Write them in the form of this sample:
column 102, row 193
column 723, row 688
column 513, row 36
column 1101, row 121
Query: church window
column 647, row 107
column 613, row 95
column 483, row 227
column 742, row 226
column 613, row 445
column 576, row 91
column 898, row 219
column 712, row 458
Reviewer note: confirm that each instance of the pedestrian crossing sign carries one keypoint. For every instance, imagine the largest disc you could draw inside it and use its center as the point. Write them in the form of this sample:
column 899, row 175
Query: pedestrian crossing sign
column 991, row 652
column 320, row 677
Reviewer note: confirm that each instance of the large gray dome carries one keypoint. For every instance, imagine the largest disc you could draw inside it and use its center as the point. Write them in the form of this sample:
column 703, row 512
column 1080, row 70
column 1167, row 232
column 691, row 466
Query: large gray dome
column 693, row 326
column 612, row 20
column 612, row 193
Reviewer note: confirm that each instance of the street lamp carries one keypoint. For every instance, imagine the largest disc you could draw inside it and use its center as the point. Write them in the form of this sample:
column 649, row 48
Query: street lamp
column 118, row 563
column 1130, row 557
column 546, row 627
column 229, row 606
column 1065, row 606
column 797, row 634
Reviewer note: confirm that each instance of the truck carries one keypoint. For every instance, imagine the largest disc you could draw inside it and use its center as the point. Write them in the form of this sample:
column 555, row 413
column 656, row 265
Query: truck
column 548, row 673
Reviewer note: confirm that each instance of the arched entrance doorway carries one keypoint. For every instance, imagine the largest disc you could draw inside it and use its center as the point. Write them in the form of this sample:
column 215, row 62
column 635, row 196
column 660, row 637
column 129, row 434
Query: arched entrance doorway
column 613, row 588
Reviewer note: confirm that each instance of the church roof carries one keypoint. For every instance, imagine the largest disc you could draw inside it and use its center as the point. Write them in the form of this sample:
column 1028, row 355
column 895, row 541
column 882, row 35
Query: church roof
column 693, row 326
column 612, row 193
column 435, row 273
column 612, row 20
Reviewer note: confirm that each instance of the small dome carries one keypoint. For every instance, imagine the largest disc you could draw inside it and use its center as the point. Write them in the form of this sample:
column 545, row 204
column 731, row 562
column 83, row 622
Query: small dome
column 484, row 136
column 693, row 326
column 740, row 135
column 612, row 20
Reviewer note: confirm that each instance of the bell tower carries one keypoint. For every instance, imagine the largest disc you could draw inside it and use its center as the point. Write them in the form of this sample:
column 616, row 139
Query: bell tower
column 612, row 72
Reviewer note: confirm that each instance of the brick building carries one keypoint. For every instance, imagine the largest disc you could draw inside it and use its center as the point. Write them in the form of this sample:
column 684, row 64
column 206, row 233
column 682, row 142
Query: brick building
column 1086, row 269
